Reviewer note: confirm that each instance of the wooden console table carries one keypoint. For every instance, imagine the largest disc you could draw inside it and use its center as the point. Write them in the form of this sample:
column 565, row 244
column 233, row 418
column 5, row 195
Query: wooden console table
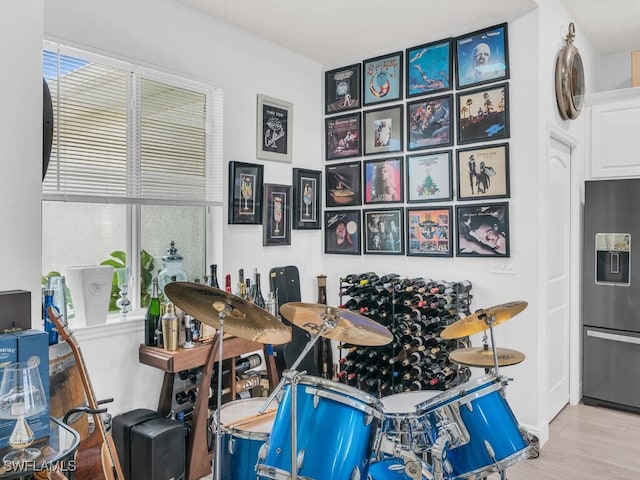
column 198, row 457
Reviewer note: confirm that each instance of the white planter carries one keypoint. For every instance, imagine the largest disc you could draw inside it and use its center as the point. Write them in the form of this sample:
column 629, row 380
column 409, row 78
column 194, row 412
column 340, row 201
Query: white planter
column 90, row 288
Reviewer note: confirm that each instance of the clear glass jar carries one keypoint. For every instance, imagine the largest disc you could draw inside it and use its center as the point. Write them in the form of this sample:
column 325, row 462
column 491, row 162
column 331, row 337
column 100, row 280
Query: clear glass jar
column 172, row 268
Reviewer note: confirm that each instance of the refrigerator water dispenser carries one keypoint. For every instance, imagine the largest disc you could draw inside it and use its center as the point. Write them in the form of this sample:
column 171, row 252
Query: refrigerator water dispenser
column 613, row 251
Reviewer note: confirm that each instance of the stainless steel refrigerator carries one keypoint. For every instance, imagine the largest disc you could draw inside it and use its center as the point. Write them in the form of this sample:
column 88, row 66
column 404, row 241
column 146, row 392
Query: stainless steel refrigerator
column 611, row 294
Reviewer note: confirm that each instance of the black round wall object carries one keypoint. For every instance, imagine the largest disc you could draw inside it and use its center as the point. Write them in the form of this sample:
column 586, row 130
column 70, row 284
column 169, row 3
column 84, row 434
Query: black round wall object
column 47, row 127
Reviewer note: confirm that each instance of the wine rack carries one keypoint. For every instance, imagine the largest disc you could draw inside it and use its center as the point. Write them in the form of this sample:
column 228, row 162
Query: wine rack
column 415, row 310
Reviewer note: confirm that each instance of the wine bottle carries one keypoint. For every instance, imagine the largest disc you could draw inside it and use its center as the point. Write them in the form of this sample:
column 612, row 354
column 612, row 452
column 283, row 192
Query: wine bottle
column 49, row 327
column 152, row 316
column 247, row 363
column 182, row 397
column 227, row 283
column 258, row 299
column 247, row 382
column 213, row 275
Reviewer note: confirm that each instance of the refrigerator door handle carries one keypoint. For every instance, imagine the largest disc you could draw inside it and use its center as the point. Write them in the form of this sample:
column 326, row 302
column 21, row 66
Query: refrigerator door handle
column 613, row 336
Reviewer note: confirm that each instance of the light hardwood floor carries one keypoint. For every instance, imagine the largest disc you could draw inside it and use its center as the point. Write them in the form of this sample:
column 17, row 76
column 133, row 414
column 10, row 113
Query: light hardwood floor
column 586, row 443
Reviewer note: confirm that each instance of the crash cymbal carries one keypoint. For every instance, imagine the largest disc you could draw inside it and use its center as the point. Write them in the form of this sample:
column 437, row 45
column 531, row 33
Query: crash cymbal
column 244, row 319
column 479, row 320
column 351, row 327
column 481, row 357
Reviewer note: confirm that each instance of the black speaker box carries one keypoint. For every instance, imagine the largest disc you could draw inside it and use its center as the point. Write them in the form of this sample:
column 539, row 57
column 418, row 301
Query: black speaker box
column 158, row 446
column 122, row 427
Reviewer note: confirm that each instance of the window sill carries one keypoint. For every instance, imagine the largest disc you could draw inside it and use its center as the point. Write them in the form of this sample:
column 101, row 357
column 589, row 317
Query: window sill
column 112, row 327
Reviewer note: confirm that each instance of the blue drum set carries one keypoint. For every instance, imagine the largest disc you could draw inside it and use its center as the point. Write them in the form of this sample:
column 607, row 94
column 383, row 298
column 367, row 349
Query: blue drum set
column 338, row 432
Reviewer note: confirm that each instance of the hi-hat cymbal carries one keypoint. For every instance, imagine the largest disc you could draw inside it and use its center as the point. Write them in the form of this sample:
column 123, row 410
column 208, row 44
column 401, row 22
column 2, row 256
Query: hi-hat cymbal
column 481, row 357
column 479, row 320
column 351, row 327
column 243, row 319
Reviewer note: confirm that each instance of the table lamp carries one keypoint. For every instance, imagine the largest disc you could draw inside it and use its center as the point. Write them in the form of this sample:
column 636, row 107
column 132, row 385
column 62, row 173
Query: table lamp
column 22, row 396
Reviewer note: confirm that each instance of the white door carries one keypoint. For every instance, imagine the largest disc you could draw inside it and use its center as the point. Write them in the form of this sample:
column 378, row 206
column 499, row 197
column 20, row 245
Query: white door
column 557, row 314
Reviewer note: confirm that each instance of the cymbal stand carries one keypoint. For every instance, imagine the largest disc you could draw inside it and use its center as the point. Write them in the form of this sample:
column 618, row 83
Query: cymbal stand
column 221, row 316
column 489, row 321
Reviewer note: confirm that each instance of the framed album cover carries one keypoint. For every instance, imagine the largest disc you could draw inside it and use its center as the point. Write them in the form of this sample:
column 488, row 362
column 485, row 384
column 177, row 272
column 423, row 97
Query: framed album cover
column 383, row 129
column 429, row 68
column 274, row 129
column 384, row 231
column 483, row 114
column 245, row 193
column 383, row 180
column 429, row 123
column 483, row 230
column 430, row 232
column 482, row 56
column 343, row 182
column 342, row 136
column 276, row 222
column 306, row 199
column 342, row 232
column 429, row 177
column 382, row 79
column 483, row 172
column 342, row 89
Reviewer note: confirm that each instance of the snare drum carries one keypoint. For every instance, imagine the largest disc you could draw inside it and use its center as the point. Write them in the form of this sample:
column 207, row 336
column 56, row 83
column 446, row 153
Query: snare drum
column 394, row 469
column 243, row 433
column 484, row 433
column 402, row 424
column 336, row 428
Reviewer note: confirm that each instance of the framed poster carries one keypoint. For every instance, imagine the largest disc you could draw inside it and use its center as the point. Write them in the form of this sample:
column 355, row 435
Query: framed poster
column 343, row 184
column 383, row 180
column 429, row 123
column 482, row 56
column 483, row 114
column 382, row 79
column 483, row 172
column 245, row 193
column 306, row 199
column 429, row 68
column 429, row 177
column 384, row 231
column 276, row 221
column 483, row 230
column 274, row 129
column 383, row 130
column 342, row 136
column 430, row 232
column 342, row 232
column 342, row 89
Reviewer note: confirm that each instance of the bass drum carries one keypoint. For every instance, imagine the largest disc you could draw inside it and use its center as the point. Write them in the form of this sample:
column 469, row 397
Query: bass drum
column 65, row 388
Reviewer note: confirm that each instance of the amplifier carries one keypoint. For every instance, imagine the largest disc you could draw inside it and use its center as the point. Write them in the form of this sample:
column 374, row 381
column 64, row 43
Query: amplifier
column 158, row 446
column 122, row 427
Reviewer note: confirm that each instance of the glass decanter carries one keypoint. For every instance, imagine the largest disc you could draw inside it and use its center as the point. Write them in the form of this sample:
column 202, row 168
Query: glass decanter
column 172, row 267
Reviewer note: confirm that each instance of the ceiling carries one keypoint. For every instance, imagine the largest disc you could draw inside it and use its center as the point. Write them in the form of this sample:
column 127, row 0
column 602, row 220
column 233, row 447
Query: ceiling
column 336, row 32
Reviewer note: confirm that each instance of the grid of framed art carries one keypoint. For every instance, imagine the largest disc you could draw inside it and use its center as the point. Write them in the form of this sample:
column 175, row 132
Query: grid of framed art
column 424, row 133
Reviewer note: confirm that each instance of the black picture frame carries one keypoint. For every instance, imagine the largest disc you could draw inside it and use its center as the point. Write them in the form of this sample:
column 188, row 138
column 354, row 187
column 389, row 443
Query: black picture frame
column 429, row 68
column 429, row 177
column 342, row 89
column 383, row 130
column 307, row 185
column 247, row 209
column 383, row 180
column 430, row 123
column 343, row 136
column 274, row 129
column 483, row 172
column 483, row 230
column 382, row 79
column 342, row 232
column 276, row 221
column 482, row 56
column 430, row 231
column 343, row 184
column 490, row 121
column 384, row 231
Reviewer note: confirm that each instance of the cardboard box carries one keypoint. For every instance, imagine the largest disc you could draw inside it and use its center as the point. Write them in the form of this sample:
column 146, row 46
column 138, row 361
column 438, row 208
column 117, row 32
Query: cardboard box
column 29, row 343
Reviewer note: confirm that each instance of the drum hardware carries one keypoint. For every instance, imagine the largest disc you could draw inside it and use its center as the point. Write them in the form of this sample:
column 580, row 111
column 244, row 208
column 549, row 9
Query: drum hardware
column 413, row 466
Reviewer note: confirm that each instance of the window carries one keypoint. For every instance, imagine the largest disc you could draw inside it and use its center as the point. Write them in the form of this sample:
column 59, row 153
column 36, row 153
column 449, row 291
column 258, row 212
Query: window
column 136, row 163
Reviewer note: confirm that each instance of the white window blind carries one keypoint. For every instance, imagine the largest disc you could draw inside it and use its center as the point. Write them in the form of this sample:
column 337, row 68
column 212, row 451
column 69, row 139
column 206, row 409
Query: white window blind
column 125, row 134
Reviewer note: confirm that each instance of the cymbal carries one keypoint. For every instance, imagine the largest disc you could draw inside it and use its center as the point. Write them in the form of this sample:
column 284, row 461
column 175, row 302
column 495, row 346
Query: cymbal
column 351, row 327
column 479, row 320
column 243, row 319
column 481, row 357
